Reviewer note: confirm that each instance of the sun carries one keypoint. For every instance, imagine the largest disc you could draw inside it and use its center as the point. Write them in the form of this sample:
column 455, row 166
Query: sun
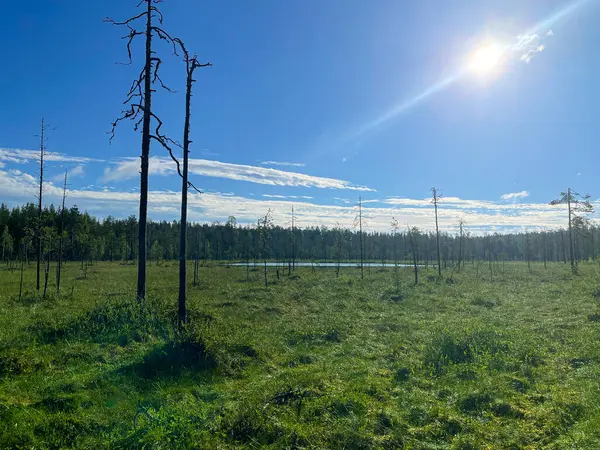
column 486, row 58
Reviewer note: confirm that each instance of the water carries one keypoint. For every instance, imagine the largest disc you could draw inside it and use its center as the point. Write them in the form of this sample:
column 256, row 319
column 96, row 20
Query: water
column 321, row 264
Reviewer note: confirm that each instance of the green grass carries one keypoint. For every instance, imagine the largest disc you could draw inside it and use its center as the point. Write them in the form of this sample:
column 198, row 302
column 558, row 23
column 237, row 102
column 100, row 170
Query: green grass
column 314, row 361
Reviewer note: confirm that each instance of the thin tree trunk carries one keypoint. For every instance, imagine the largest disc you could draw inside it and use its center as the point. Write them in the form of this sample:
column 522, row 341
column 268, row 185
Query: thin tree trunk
column 46, row 272
column 362, row 256
column 437, row 230
column 145, row 157
column 184, row 193
column 23, row 251
column 572, row 248
column 61, row 237
column 39, row 224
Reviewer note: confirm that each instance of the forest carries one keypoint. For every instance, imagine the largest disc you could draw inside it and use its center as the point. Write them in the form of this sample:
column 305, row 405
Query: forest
column 89, row 239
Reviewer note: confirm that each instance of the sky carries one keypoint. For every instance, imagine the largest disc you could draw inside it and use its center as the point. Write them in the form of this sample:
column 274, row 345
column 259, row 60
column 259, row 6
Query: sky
column 312, row 104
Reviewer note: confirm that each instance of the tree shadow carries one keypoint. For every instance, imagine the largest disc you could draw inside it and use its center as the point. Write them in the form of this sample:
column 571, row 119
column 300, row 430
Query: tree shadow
column 172, row 360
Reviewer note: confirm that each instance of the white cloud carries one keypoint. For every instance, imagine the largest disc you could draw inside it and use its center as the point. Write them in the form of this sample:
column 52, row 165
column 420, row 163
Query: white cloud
column 277, row 163
column 274, row 196
column 480, row 215
column 77, row 171
column 21, row 156
column 129, row 168
column 515, row 195
column 529, row 45
column 304, row 197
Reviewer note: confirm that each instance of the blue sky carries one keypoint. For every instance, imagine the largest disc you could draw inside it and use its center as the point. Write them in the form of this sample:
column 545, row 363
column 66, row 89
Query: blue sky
column 381, row 99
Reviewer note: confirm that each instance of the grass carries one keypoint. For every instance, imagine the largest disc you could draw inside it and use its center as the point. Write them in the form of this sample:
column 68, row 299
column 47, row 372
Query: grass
column 314, row 361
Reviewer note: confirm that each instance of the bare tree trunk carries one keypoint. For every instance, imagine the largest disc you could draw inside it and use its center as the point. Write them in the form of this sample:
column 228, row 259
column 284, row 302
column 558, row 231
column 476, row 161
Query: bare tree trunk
column 23, row 250
column 362, row 256
column 143, row 226
column 41, row 190
column 60, row 241
column 571, row 245
column 46, row 272
column 293, row 240
column 182, row 312
column 437, row 230
column 414, row 252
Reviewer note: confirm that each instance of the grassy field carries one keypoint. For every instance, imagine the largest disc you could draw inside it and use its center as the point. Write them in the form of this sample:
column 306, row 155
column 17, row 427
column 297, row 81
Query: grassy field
column 314, row 361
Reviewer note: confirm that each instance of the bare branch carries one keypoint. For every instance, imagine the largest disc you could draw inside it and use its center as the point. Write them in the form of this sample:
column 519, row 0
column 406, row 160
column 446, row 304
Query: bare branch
column 128, row 21
column 162, row 140
column 162, row 34
column 159, row 14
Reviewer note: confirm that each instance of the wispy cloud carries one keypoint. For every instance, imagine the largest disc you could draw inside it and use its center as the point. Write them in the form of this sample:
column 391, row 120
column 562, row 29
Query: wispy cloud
column 278, row 163
column 129, row 168
column 302, row 197
column 21, row 156
column 515, row 195
column 529, row 45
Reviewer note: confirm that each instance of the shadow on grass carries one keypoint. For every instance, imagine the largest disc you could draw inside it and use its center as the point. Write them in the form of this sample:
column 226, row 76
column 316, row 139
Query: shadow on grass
column 172, row 360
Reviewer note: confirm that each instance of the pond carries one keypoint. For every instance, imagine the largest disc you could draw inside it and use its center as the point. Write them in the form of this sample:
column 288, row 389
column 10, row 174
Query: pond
column 323, row 264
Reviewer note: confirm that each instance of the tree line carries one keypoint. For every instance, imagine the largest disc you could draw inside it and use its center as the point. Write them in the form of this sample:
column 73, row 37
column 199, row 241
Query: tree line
column 77, row 236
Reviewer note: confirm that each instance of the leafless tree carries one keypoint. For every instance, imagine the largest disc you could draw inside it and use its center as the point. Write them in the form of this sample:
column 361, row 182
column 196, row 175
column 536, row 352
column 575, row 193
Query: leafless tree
column 359, row 221
column 138, row 108
column 461, row 242
column 412, row 234
column 191, row 64
column 23, row 253
column 42, row 135
column 395, row 228
column 577, row 205
column 435, row 200
column 527, row 251
column 265, row 224
column 292, row 265
column 61, row 236
column 339, row 245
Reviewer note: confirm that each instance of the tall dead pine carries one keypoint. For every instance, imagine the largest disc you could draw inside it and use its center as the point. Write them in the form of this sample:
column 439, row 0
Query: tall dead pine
column 435, row 200
column 191, row 64
column 61, row 236
column 138, row 108
column 40, row 195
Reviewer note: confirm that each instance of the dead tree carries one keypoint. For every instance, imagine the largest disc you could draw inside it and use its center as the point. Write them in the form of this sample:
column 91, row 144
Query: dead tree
column 138, row 108
column 23, row 252
column 339, row 244
column 47, row 266
column 577, row 204
column 360, row 237
column 265, row 224
column 435, row 201
column 191, row 64
column 61, row 236
column 292, row 263
column 461, row 231
column 413, row 244
column 40, row 195
column 395, row 227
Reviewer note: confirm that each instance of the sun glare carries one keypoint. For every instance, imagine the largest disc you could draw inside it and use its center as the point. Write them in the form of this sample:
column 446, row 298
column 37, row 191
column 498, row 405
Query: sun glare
column 486, row 58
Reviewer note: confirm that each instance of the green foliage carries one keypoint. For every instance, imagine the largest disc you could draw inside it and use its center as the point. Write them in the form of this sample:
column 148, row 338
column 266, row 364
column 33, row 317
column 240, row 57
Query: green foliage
column 315, row 361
